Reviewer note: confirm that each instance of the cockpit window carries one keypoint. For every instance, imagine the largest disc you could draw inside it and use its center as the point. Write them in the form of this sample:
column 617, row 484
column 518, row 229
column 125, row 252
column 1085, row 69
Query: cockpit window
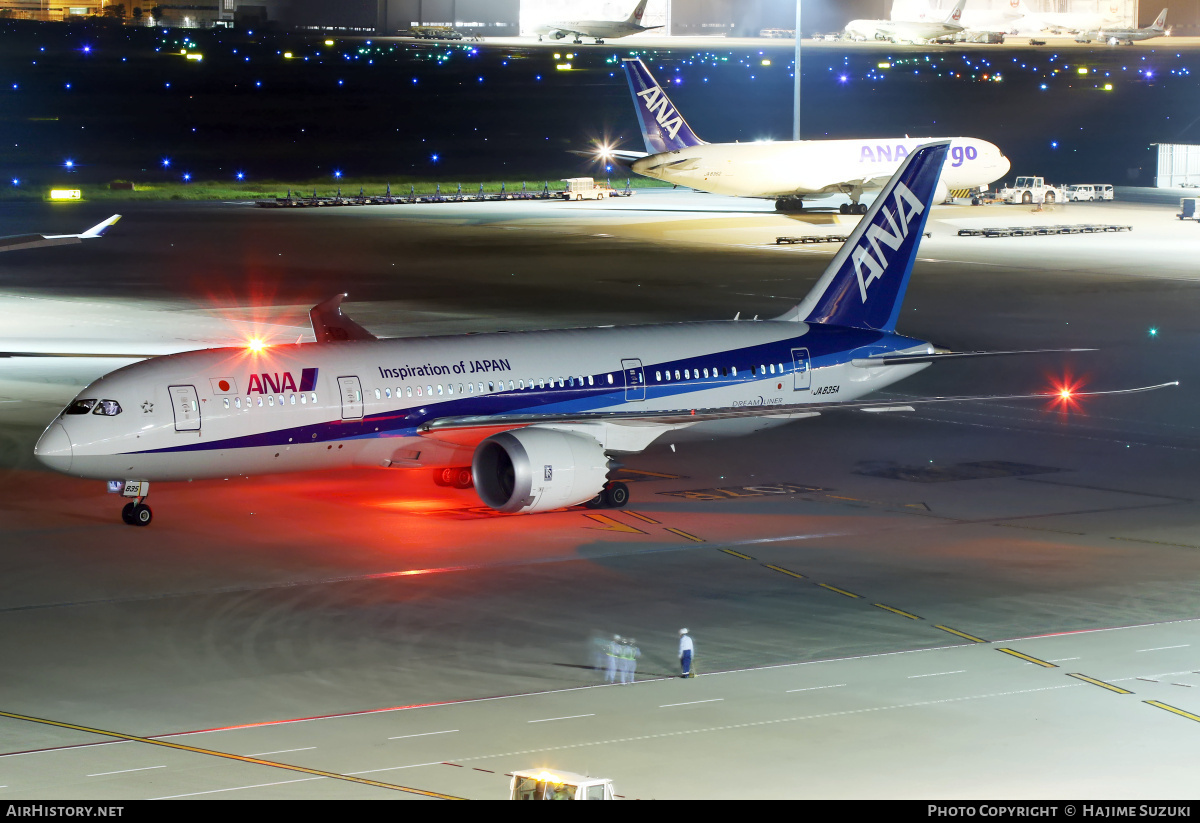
column 80, row 407
column 108, row 408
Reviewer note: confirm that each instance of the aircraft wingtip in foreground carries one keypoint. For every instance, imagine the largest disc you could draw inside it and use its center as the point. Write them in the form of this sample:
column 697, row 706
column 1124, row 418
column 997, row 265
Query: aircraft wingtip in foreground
column 35, row 241
column 531, row 420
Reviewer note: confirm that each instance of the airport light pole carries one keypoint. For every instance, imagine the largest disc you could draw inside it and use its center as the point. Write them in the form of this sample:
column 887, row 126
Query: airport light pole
column 796, row 85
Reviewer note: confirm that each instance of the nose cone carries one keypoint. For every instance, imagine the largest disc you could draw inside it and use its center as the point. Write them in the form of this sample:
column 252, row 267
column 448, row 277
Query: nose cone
column 54, row 448
column 1003, row 166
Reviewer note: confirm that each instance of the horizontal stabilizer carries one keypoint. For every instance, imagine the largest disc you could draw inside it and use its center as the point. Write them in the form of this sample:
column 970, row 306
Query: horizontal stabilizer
column 330, row 325
column 901, row 359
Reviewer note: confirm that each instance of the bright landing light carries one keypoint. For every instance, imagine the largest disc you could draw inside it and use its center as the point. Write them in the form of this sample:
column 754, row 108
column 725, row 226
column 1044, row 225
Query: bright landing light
column 256, row 345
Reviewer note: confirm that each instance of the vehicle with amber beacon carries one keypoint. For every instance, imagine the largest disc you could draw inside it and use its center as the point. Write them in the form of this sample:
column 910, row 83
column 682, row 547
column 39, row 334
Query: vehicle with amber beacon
column 539, row 784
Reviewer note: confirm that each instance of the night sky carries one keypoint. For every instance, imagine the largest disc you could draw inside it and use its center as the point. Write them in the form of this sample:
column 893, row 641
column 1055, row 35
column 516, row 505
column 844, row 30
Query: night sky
column 124, row 103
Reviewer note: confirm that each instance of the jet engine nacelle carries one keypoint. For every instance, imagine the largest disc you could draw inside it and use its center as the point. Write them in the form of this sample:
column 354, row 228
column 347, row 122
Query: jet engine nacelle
column 559, row 35
column 536, row 469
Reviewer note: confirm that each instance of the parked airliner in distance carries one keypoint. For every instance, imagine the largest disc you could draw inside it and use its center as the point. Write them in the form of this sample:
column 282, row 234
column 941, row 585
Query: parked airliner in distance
column 536, row 416
column 1122, row 34
column 911, row 31
column 599, row 29
column 36, row 241
column 787, row 172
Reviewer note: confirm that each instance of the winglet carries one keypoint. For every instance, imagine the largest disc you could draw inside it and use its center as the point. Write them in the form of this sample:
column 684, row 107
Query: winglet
column 99, row 229
column 330, row 325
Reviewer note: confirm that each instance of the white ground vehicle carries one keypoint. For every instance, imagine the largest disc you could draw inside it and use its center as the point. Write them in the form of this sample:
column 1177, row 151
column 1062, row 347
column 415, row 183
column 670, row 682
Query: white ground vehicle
column 1028, row 190
column 585, row 188
column 1089, row 191
column 539, row 784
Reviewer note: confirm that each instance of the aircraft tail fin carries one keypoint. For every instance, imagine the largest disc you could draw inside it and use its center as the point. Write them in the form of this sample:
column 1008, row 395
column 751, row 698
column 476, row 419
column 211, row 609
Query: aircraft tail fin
column 663, row 127
column 635, row 19
column 954, row 18
column 864, row 284
column 1160, row 22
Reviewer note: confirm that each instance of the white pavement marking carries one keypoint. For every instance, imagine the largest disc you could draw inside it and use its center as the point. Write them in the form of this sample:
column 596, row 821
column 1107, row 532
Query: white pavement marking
column 422, row 734
column 763, row 723
column 67, row 748
column 282, row 751
column 396, row 768
column 935, row 674
column 238, row 788
column 1060, row 659
column 568, row 717
column 123, row 771
column 1163, row 648
column 814, row 688
column 693, row 702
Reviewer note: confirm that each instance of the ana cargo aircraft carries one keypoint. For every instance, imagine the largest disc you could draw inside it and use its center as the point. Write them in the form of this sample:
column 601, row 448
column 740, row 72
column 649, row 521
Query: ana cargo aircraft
column 911, row 31
column 537, row 416
column 37, row 241
column 1117, row 34
column 599, row 29
column 786, row 172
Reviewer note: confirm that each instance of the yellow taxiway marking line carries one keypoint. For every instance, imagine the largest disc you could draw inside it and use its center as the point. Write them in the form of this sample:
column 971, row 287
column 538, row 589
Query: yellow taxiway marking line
column 731, row 551
column 651, row 474
column 970, row 637
column 1028, row 659
column 691, row 537
column 900, row 612
column 243, row 758
column 785, row 571
column 1174, row 710
column 1099, row 683
column 608, row 524
column 839, row 591
column 643, row 517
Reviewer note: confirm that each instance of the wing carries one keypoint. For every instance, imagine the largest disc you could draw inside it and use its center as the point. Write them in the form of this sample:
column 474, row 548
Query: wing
column 36, row 241
column 457, row 430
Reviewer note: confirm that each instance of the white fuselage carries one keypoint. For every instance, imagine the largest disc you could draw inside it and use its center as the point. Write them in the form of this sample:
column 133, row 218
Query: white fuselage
column 600, row 29
column 900, row 30
column 226, row 412
column 815, row 167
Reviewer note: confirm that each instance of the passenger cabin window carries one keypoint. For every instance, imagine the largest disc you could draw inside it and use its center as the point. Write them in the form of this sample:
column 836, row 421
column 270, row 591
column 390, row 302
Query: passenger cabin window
column 80, row 407
column 658, row 377
column 377, row 395
column 677, row 374
column 610, row 380
column 419, row 391
column 439, row 389
column 270, row 400
column 541, row 382
column 304, row 399
column 408, row 391
column 590, row 381
column 772, row 368
column 237, row 402
column 387, row 393
column 313, row 397
column 226, row 402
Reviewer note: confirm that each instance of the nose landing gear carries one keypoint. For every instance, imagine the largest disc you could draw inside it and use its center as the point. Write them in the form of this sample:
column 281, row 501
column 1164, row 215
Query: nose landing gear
column 136, row 512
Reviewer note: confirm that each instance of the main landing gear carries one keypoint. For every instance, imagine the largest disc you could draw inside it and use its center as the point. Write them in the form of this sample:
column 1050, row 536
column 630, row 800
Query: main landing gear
column 789, row 204
column 459, row 478
column 613, row 496
column 853, row 208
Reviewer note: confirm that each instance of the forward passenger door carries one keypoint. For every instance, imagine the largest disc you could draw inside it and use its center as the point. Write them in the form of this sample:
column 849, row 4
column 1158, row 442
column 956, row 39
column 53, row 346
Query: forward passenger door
column 352, row 399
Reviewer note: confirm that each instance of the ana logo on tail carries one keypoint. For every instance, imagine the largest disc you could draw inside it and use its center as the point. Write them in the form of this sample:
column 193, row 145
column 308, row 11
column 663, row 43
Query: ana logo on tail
column 656, row 103
column 877, row 234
